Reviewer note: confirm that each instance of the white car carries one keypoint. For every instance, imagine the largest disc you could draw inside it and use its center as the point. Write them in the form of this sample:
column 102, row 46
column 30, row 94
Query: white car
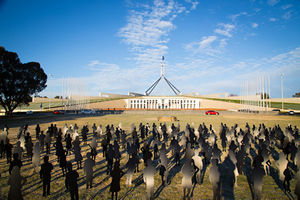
column 291, row 112
column 87, row 112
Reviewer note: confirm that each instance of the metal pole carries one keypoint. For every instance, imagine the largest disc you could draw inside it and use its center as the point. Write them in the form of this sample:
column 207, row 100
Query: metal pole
column 62, row 94
column 281, row 90
column 50, row 91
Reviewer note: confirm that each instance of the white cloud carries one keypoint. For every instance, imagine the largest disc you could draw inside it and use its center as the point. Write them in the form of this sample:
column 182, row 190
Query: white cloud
column 284, row 7
column 272, row 19
column 223, row 43
column 225, row 29
column 287, row 15
column 94, row 62
column 257, row 9
column 240, row 65
column 272, row 2
column 194, row 5
column 149, row 28
column 254, row 25
column 234, row 17
column 206, row 41
column 252, row 34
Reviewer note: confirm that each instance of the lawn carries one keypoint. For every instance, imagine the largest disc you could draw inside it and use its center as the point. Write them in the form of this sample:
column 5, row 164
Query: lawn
column 272, row 186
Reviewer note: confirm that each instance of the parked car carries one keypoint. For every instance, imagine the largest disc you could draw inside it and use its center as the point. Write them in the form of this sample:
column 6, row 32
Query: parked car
column 29, row 112
column 291, row 112
column 58, row 112
column 87, row 112
column 211, row 112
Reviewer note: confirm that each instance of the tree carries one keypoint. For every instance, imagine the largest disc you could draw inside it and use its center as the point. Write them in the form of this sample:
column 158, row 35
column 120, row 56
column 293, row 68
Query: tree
column 57, row 97
column 297, row 94
column 265, row 96
column 18, row 81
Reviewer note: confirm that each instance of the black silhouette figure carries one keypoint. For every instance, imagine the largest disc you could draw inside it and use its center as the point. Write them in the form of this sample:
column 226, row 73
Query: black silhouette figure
column 16, row 181
column 256, row 177
column 297, row 158
column 93, row 147
column 188, row 173
column 287, row 178
column 177, row 154
column 146, row 153
column 117, row 150
column 8, row 149
column 258, row 157
column 48, row 141
column 45, row 174
column 59, row 148
column 131, row 165
column 123, row 138
column 63, row 161
column 42, row 140
column 297, row 188
column 84, row 132
column 104, row 144
column 15, row 162
column 110, row 158
column 118, row 134
column 36, row 156
column 214, row 178
column 37, row 131
column 88, row 169
column 116, row 174
column 68, row 141
column 240, row 159
column 78, row 156
column 2, row 148
column 71, row 182
column 29, row 147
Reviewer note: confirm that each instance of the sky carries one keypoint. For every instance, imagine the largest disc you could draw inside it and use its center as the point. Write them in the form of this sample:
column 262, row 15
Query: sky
column 117, row 46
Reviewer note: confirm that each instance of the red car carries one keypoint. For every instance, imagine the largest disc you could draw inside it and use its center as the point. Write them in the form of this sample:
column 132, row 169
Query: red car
column 211, row 112
column 58, row 112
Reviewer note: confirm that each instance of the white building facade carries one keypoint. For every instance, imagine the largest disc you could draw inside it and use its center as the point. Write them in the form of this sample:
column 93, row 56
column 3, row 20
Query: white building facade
column 163, row 103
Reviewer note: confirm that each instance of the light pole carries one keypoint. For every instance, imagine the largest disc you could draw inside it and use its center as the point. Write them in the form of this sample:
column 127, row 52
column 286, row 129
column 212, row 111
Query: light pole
column 50, row 91
column 281, row 90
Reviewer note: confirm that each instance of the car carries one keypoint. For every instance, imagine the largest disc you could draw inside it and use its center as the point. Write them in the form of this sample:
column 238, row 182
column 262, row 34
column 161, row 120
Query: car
column 276, row 110
column 29, row 112
column 211, row 112
column 87, row 112
column 58, row 112
column 291, row 112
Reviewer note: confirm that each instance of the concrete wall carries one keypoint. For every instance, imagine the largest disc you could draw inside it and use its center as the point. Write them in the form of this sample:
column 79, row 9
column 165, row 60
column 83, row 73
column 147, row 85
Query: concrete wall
column 42, row 100
column 121, row 103
column 218, row 95
column 132, row 94
column 110, row 95
column 287, row 100
column 191, row 94
column 225, row 105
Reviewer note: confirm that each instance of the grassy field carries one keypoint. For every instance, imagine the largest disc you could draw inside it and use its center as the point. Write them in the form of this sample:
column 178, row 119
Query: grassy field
column 287, row 106
column 272, row 186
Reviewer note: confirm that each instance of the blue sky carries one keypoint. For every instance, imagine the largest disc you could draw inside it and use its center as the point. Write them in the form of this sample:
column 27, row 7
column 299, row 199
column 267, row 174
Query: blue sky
column 116, row 46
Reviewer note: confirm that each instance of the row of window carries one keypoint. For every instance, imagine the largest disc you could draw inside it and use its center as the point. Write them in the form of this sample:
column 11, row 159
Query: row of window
column 155, row 101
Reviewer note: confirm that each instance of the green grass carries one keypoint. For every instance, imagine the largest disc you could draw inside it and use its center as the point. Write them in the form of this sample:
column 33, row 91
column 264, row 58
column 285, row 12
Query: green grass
column 57, row 105
column 288, row 106
column 33, row 188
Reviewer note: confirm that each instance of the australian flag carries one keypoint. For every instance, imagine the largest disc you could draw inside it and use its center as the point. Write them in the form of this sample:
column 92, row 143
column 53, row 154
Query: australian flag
column 163, row 58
